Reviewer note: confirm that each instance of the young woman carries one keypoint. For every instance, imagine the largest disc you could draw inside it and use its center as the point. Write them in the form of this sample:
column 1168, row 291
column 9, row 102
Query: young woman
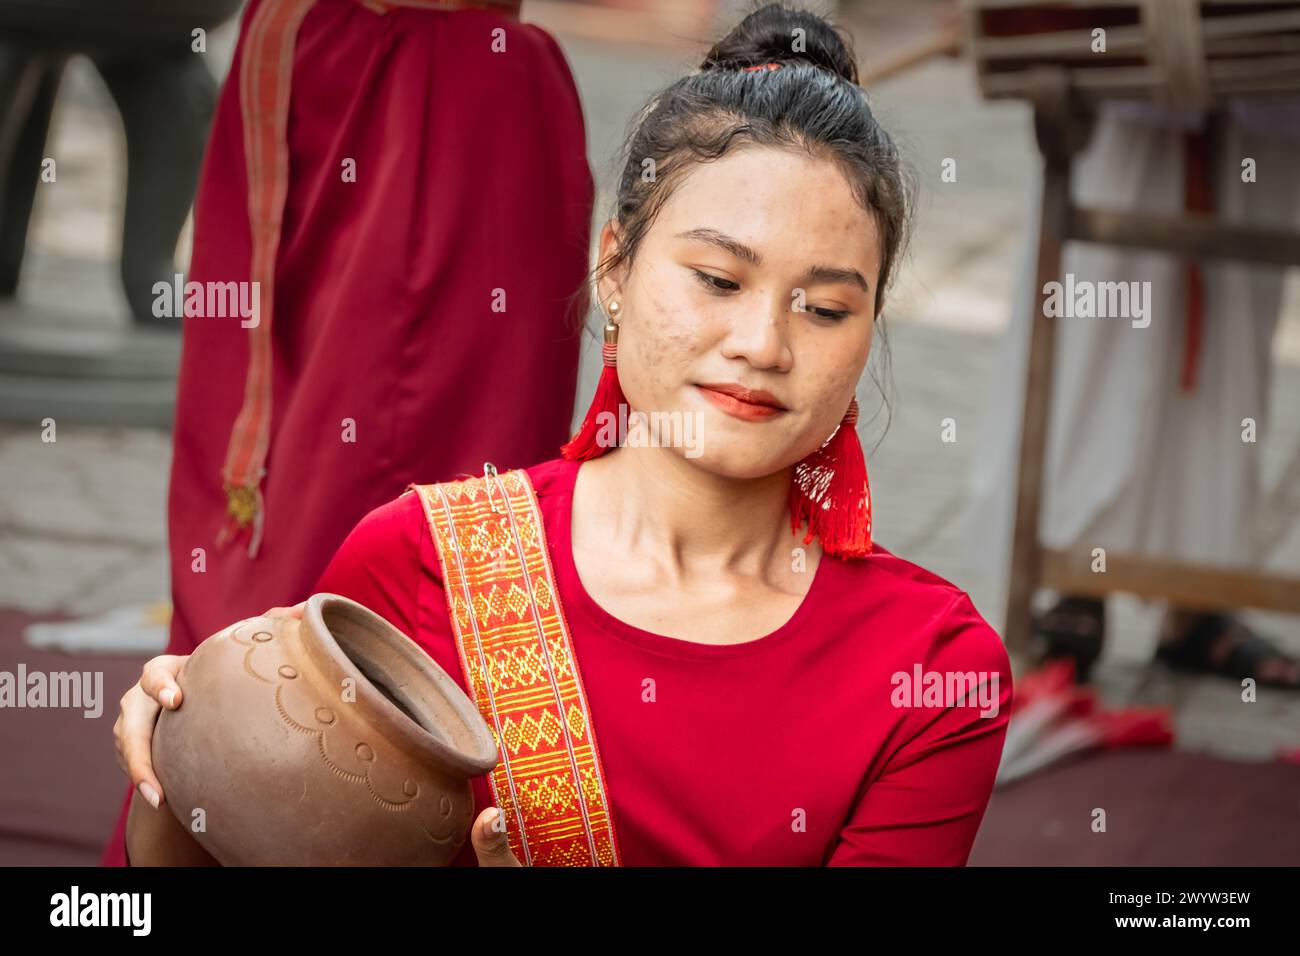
column 749, row 696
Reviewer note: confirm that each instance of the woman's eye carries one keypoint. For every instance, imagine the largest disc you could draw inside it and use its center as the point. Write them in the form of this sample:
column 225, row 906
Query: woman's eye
column 716, row 282
column 719, row 284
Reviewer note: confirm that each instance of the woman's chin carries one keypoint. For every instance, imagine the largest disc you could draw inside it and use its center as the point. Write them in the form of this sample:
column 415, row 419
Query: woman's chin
column 736, row 457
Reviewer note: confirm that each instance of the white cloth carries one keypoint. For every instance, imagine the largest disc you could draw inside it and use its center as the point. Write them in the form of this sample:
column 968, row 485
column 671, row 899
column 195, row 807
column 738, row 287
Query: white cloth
column 1134, row 463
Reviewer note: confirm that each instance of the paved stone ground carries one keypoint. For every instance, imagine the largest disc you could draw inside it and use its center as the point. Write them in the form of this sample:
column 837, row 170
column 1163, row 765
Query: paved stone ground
column 82, row 519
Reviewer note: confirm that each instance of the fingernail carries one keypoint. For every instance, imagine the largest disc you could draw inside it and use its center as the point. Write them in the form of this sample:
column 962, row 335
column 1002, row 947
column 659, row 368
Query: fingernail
column 149, row 793
column 168, row 695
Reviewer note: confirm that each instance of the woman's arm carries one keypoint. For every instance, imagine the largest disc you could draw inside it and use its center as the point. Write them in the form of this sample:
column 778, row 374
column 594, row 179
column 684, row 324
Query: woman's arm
column 154, row 837
column 925, row 806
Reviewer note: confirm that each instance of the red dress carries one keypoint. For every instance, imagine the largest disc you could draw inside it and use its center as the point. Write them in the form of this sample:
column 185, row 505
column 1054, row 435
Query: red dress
column 745, row 742
column 471, row 176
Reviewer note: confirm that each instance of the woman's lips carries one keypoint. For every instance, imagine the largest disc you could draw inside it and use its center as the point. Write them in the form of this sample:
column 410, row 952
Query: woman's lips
column 748, row 411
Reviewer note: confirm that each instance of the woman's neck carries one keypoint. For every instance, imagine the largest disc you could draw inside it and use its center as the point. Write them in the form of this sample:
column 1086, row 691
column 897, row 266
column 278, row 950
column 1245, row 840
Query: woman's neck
column 652, row 503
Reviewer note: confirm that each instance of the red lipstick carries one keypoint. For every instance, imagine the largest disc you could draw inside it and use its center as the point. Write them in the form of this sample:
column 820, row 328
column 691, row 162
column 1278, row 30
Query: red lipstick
column 751, row 405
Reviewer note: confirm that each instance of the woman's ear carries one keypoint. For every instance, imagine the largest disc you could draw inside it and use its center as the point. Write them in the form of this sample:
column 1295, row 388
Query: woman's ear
column 611, row 281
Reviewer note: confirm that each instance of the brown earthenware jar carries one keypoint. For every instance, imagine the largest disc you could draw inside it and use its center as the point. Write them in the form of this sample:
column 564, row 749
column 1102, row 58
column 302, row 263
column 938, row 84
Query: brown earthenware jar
column 334, row 740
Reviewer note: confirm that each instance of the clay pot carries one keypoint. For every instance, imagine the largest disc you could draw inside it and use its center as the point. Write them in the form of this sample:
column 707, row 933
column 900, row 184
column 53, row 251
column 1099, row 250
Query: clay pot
column 334, row 740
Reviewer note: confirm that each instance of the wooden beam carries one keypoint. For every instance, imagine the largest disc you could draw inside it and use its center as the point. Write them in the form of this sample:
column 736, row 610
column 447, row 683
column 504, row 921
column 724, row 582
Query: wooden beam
column 1190, row 234
column 1192, row 586
column 1059, row 135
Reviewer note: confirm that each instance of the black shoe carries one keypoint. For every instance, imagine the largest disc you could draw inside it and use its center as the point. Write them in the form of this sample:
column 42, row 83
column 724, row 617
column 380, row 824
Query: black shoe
column 1074, row 628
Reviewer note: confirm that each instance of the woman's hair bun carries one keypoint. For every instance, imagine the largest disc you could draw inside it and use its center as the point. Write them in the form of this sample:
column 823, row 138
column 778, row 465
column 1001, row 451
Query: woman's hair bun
column 782, row 34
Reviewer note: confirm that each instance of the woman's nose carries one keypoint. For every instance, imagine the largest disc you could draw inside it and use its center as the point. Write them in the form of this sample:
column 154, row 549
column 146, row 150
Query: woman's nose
column 759, row 334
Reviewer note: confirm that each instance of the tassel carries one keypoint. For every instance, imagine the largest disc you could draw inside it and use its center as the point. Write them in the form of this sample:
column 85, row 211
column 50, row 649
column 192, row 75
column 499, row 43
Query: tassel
column 245, row 508
column 830, row 491
column 609, row 396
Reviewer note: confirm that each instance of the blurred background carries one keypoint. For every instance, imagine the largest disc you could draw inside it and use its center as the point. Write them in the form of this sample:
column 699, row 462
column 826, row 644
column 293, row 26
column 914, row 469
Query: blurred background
column 83, row 561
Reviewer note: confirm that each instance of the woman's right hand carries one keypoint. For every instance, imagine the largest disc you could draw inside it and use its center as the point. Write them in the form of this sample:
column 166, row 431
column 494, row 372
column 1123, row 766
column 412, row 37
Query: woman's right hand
column 156, row 689
column 133, row 732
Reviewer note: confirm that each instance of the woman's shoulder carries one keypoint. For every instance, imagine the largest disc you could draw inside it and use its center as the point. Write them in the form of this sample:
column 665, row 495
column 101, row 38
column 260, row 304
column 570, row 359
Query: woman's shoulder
column 381, row 563
column 391, row 547
column 549, row 477
column 903, row 573
column 390, row 524
column 387, row 537
column 941, row 616
column 939, row 647
column 553, row 477
column 397, row 525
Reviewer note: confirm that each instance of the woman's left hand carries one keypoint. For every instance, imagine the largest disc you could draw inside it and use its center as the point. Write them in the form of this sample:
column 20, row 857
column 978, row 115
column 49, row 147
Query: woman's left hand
column 490, row 842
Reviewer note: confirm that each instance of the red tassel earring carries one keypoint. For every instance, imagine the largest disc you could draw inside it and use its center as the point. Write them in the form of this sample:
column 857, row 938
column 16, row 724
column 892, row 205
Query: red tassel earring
column 830, row 490
column 609, row 396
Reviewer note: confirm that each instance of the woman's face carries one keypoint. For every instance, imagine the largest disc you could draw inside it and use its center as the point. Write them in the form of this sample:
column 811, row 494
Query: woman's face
column 760, row 272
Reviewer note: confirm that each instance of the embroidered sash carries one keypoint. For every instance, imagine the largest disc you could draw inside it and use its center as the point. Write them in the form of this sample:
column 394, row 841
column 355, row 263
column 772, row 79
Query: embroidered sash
column 518, row 660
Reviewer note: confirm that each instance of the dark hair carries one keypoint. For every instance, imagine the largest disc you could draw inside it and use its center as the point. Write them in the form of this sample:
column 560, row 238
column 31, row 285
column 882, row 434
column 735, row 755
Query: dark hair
column 813, row 103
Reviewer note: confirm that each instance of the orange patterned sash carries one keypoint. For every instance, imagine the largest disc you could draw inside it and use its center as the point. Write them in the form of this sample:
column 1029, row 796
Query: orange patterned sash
column 519, row 663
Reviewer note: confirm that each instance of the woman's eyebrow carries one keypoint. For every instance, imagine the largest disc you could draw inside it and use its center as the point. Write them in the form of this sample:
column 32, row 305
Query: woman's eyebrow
column 723, row 241
column 744, row 252
column 837, row 274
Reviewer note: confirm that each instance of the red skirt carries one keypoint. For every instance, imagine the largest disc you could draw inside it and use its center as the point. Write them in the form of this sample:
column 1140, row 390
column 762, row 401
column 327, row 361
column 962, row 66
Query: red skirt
column 426, row 314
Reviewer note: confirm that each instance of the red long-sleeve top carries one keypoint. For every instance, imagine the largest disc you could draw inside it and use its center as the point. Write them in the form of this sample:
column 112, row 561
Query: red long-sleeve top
column 815, row 744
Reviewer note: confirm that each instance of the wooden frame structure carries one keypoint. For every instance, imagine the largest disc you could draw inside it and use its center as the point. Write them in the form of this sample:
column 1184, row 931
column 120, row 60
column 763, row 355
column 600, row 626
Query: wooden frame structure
column 1063, row 121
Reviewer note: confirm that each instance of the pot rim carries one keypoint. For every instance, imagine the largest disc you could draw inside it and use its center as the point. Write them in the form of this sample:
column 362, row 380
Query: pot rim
column 481, row 758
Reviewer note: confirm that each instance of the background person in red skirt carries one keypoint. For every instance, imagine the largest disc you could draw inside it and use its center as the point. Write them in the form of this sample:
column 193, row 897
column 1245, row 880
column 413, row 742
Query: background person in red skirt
column 408, row 185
